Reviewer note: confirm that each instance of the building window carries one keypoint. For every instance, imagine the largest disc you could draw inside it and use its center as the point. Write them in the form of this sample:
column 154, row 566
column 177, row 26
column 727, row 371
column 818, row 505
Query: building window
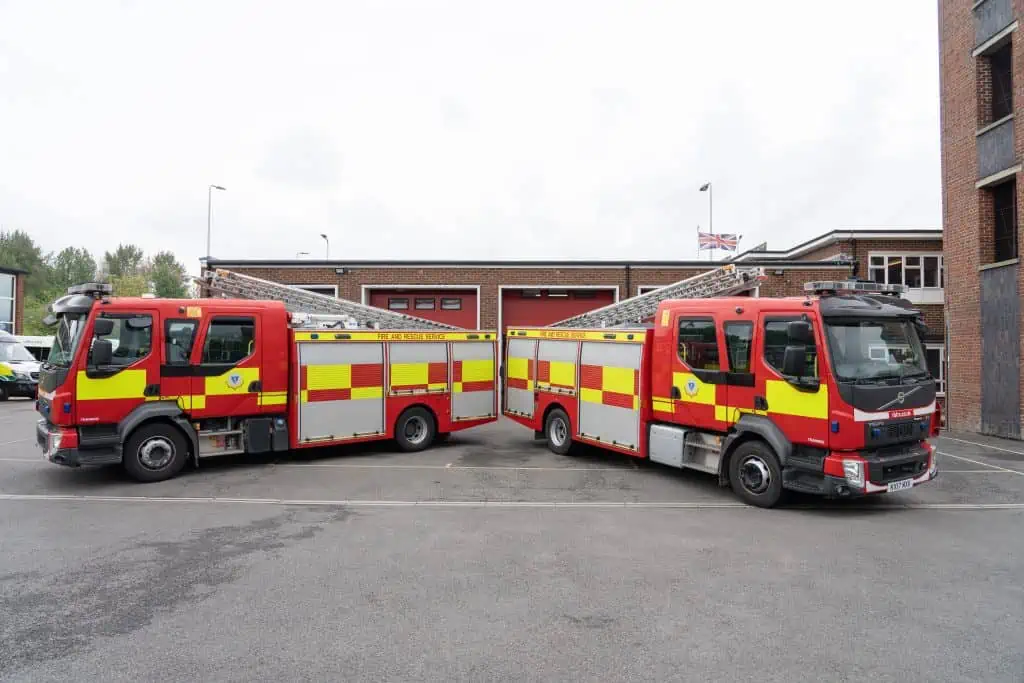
column 7, row 286
column 398, row 304
column 1004, row 209
column 424, row 304
column 451, row 304
column 584, row 294
column 1000, row 63
column 915, row 271
column 647, row 289
column 936, row 357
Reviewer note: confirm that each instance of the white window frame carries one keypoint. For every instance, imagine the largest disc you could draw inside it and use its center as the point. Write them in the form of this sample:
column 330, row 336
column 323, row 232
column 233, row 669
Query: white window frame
column 14, row 303
column 313, row 288
column 940, row 381
column 916, row 295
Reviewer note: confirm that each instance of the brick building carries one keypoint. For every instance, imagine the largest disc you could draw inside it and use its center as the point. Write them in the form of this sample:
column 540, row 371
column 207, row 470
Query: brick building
column 500, row 294
column 981, row 55
column 12, row 299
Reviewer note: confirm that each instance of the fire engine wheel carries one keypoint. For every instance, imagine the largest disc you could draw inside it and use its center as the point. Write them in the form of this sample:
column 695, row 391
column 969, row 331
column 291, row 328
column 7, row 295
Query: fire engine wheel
column 556, row 432
column 755, row 474
column 415, row 429
column 155, row 452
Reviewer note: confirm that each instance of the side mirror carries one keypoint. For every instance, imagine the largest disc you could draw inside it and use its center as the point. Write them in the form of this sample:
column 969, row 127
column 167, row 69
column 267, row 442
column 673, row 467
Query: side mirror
column 102, row 327
column 794, row 362
column 799, row 333
column 102, row 353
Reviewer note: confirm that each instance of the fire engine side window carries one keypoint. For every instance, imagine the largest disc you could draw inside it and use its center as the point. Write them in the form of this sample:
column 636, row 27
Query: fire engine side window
column 229, row 341
column 698, row 344
column 178, row 338
column 737, row 341
column 131, row 339
column 776, row 338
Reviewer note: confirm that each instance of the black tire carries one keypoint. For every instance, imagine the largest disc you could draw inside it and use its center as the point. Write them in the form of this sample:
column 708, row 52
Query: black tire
column 415, row 429
column 755, row 474
column 155, row 452
column 558, row 432
column 4, row 394
column 443, row 437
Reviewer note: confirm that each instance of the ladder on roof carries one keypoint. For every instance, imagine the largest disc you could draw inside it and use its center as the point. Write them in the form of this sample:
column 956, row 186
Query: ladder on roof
column 723, row 281
column 312, row 310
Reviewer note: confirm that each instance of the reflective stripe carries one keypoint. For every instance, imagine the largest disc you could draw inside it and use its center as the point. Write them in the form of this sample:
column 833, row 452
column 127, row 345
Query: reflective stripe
column 341, row 337
column 232, row 383
column 125, row 384
column 636, row 336
column 273, row 398
column 785, row 399
column 692, row 390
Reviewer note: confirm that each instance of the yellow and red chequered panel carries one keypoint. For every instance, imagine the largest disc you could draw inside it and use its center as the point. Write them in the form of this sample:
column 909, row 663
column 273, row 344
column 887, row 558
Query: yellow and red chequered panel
column 472, row 375
column 610, row 386
column 341, row 382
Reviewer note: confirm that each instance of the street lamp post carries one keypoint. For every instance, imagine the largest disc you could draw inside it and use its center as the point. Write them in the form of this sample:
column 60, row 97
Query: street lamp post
column 328, row 246
column 209, row 215
column 706, row 187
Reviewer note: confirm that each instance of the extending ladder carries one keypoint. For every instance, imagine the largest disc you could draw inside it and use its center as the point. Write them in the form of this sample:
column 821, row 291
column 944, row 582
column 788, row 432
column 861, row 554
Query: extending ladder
column 312, row 309
column 724, row 281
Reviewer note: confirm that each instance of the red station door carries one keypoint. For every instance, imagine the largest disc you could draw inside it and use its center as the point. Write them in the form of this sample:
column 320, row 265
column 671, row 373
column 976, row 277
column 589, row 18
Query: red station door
column 449, row 306
column 538, row 307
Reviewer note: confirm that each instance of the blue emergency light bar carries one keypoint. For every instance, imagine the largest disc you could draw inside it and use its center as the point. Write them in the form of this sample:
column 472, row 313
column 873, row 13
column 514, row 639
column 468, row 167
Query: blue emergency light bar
column 852, row 287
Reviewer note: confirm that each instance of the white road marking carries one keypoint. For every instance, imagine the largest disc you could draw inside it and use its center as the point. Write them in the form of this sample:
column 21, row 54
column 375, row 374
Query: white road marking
column 984, row 445
column 978, row 462
column 9, row 443
column 39, row 459
column 711, row 505
column 948, row 471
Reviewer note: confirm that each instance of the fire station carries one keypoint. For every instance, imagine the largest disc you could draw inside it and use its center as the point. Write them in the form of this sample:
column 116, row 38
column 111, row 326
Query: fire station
column 504, row 294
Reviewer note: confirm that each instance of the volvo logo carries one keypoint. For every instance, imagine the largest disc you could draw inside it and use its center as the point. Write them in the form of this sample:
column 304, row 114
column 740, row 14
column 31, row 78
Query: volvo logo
column 900, row 398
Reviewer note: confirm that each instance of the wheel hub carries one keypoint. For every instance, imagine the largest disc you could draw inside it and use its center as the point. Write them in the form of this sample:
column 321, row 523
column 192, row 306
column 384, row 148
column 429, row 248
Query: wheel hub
column 755, row 475
column 559, row 432
column 415, row 430
column 156, row 452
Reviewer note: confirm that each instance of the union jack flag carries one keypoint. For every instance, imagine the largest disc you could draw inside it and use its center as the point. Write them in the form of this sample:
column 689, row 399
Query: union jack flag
column 707, row 240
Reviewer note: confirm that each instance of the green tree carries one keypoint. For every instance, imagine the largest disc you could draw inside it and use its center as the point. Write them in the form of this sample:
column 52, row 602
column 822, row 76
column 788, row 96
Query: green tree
column 73, row 266
column 19, row 250
column 130, row 285
column 127, row 259
column 168, row 276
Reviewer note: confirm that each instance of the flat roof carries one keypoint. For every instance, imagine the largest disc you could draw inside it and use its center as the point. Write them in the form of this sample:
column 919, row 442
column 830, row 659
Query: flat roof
column 839, row 235
column 518, row 263
column 10, row 270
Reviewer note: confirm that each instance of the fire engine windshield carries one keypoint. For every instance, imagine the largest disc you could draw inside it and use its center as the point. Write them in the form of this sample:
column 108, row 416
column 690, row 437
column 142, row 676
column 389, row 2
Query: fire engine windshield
column 875, row 350
column 65, row 340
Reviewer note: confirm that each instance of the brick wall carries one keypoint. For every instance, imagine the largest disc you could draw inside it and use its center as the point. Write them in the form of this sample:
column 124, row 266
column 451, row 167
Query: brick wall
column 966, row 91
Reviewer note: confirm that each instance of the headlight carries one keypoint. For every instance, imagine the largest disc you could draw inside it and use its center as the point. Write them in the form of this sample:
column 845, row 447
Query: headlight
column 853, row 470
column 22, row 374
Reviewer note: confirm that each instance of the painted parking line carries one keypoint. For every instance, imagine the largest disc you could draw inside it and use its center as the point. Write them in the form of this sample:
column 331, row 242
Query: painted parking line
column 452, row 466
column 554, row 505
column 978, row 462
column 11, row 443
column 983, row 445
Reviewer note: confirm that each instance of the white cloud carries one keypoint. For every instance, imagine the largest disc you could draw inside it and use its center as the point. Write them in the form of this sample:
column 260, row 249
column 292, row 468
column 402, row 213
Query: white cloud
column 464, row 129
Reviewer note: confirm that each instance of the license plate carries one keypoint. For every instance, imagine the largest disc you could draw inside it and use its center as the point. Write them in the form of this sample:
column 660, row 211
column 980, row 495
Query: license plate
column 901, row 485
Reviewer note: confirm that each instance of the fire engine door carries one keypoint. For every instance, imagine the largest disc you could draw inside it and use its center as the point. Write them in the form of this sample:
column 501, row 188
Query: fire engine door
column 122, row 370
column 797, row 405
column 226, row 367
column 697, row 386
column 741, row 382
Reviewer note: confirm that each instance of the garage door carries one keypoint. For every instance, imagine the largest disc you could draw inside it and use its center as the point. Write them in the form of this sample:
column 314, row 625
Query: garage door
column 450, row 306
column 539, row 307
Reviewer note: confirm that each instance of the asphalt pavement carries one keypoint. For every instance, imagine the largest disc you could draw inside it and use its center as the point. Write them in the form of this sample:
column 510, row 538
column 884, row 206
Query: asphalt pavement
column 489, row 558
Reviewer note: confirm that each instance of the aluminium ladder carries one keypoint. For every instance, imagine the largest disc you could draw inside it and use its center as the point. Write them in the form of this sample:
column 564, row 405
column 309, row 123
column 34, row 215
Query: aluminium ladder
column 724, row 281
column 310, row 309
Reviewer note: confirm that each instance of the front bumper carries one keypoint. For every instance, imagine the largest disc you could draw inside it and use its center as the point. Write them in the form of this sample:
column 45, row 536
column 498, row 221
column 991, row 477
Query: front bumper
column 884, row 471
column 22, row 387
column 60, row 446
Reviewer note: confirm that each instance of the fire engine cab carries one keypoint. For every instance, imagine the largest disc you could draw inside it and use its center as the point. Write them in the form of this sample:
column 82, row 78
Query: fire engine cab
column 157, row 383
column 825, row 394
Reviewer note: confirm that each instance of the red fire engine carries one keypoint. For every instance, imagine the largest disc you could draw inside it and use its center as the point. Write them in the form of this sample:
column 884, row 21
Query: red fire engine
column 825, row 394
column 157, row 383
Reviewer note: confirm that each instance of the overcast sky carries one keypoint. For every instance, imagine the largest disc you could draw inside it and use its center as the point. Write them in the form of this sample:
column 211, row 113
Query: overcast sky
column 464, row 129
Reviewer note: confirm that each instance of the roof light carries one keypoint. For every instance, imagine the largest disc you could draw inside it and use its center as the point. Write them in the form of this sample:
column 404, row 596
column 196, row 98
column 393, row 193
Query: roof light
column 92, row 288
column 824, row 286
